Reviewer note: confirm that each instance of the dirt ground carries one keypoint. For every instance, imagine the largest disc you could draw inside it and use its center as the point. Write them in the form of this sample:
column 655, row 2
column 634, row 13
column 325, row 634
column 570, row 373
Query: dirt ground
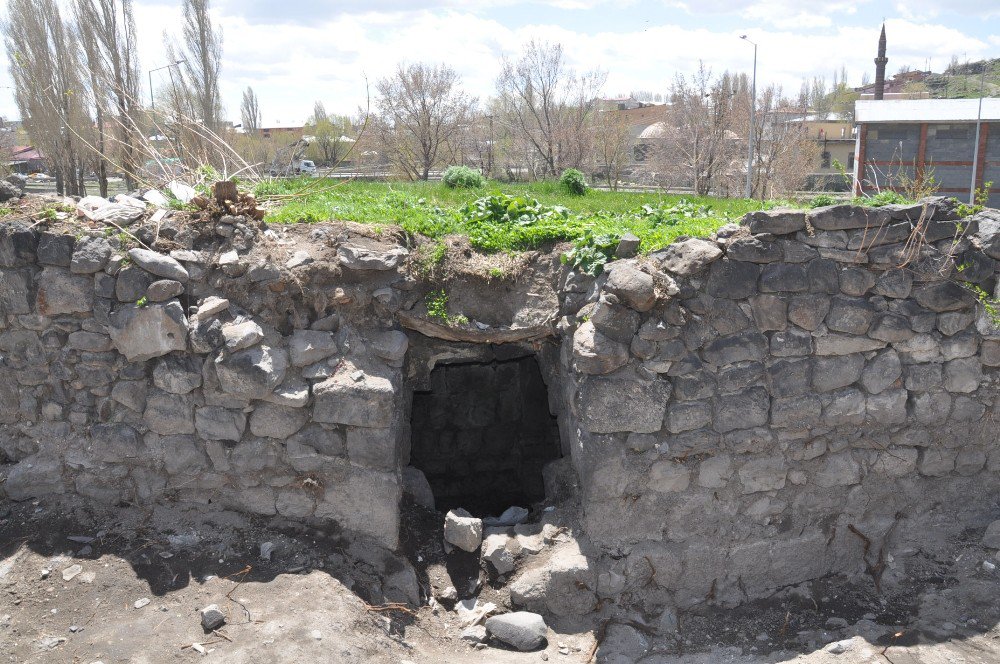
column 144, row 575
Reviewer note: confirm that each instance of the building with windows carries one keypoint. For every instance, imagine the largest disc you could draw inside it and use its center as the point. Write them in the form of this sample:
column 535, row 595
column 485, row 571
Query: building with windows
column 928, row 140
column 835, row 139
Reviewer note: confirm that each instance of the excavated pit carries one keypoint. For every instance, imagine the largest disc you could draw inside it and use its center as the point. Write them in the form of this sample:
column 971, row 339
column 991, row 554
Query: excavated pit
column 482, row 433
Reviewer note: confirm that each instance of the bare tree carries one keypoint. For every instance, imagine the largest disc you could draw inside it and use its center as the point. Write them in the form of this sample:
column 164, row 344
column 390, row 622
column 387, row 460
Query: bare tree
column 201, row 52
column 612, row 145
column 106, row 31
column 784, row 154
column 250, row 111
column 48, row 86
column 698, row 146
column 420, row 111
column 548, row 106
column 332, row 134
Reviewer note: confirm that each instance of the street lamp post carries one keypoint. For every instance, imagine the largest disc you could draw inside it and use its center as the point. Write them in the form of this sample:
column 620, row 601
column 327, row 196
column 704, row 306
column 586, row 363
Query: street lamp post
column 753, row 105
column 152, row 102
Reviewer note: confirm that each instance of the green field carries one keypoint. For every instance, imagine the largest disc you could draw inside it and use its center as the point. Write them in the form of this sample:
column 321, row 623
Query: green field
column 525, row 217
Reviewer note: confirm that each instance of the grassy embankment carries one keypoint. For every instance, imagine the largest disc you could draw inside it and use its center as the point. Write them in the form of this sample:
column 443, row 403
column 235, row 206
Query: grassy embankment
column 506, row 217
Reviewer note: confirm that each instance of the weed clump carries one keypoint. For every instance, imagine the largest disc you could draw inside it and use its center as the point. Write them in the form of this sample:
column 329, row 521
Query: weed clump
column 463, row 177
column 573, row 181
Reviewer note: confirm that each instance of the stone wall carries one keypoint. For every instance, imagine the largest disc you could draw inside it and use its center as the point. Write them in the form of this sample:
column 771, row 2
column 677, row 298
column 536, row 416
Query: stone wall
column 736, row 414
column 747, row 409
column 221, row 371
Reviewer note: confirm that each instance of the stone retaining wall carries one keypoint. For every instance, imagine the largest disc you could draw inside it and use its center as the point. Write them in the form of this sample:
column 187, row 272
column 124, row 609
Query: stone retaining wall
column 737, row 413
column 746, row 410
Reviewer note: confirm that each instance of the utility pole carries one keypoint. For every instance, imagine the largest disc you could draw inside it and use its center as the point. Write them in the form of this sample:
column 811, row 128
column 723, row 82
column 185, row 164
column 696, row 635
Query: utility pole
column 750, row 133
column 979, row 127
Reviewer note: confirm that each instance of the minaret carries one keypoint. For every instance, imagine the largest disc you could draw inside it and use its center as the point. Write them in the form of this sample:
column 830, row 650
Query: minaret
column 880, row 63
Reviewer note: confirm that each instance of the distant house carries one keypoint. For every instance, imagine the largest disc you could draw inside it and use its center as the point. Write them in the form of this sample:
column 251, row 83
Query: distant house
column 836, row 147
column 900, row 140
column 26, row 159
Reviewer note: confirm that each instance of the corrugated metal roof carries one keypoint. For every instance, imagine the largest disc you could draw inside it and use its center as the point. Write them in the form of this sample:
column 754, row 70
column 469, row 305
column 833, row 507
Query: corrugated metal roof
column 926, row 110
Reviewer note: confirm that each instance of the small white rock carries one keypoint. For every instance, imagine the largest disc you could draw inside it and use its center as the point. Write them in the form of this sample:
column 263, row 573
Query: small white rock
column 139, row 603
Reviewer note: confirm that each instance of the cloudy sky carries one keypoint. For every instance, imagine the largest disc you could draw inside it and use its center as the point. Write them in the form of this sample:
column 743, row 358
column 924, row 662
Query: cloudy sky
column 296, row 51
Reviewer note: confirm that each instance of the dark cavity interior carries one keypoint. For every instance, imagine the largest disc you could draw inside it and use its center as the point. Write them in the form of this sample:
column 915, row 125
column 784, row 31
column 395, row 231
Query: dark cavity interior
column 482, row 433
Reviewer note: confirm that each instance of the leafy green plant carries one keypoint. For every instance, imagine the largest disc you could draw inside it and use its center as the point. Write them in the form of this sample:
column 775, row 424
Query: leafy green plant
column 979, row 200
column 590, row 253
column 463, row 177
column 437, row 307
column 884, row 197
column 842, row 172
column 990, row 304
column 142, row 301
column 573, row 181
column 822, row 200
column 674, row 214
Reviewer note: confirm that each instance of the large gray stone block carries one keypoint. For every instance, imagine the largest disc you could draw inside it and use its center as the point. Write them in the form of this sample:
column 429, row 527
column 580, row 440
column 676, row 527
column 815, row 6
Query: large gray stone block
column 59, row 291
column 217, row 423
column 796, row 412
column 142, row 333
column 784, row 278
column 882, row 371
column 632, row 286
column 754, row 250
column 158, row 264
column 742, row 410
column 595, row 353
column 607, row 405
column 731, row 279
column 742, row 347
column 852, row 315
column 270, row 420
column 766, row 474
column 369, row 401
column 831, row 373
column 689, row 256
column 252, row 373
column 309, row 346
column 944, row 296
column 775, row 222
column 846, row 217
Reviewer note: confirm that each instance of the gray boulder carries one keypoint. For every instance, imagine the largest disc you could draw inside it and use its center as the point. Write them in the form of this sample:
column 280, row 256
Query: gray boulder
column 217, row 423
column 252, row 373
column 273, row 421
column 55, row 249
column 355, row 398
column 632, row 286
column 309, row 346
column 775, row 222
column 90, row 255
column 463, row 530
column 177, row 374
column 521, row 630
column 595, row 353
column 158, row 264
column 689, row 256
column 356, row 257
column 238, row 336
column 142, row 333
column 163, row 290
column 62, row 292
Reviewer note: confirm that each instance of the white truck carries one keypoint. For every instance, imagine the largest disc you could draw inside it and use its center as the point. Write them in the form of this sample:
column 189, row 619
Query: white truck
column 289, row 162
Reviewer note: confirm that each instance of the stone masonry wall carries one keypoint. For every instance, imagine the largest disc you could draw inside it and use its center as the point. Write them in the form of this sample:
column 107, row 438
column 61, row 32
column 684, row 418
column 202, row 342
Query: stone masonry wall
column 216, row 372
column 737, row 413
column 746, row 409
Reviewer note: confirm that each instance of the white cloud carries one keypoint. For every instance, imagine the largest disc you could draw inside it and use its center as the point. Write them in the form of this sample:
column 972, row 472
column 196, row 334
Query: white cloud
column 327, row 57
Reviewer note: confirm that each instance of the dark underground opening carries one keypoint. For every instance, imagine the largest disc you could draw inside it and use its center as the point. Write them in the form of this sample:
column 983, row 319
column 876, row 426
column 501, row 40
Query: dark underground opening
column 482, row 434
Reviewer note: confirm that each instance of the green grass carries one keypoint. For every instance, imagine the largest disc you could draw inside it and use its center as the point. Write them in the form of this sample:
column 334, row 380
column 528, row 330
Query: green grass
column 434, row 210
